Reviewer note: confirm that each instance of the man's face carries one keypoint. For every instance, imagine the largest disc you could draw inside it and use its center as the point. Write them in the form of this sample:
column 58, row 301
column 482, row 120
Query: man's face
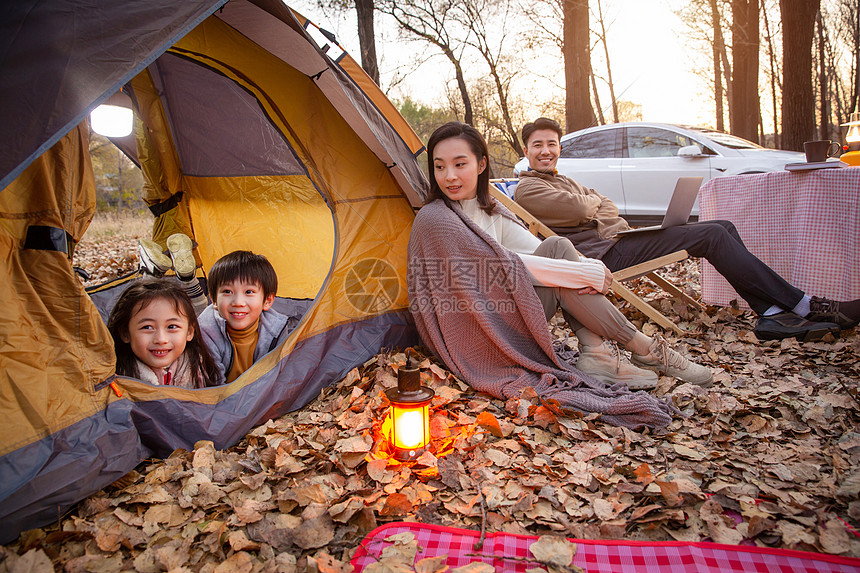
column 542, row 150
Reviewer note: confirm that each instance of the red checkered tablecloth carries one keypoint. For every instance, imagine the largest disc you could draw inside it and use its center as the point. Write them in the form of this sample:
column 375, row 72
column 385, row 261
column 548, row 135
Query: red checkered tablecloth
column 601, row 556
column 804, row 224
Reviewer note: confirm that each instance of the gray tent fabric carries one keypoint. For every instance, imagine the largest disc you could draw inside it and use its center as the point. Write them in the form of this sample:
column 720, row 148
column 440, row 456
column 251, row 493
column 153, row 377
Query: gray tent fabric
column 234, row 113
column 59, row 59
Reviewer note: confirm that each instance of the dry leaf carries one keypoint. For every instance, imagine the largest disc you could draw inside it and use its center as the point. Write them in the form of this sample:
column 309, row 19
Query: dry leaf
column 490, row 423
column 377, row 470
column 240, row 562
column 325, row 563
column 834, row 538
column 396, row 504
column 432, row 565
column 551, row 550
column 313, row 533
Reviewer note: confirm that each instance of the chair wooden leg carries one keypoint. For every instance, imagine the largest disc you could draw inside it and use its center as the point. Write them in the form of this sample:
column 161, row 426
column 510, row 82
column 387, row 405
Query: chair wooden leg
column 675, row 291
column 645, row 308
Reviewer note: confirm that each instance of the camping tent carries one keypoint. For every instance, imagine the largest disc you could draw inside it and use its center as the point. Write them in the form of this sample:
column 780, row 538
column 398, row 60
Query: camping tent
column 250, row 135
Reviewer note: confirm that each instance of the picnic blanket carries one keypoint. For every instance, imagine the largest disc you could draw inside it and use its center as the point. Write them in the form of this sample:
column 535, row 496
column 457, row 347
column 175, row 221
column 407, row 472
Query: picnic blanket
column 597, row 556
column 474, row 306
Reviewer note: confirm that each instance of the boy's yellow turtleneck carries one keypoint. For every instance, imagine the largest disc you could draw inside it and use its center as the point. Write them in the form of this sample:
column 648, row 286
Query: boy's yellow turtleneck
column 244, row 343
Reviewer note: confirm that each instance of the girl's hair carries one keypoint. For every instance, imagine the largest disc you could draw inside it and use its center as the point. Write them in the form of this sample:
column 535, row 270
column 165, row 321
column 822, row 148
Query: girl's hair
column 138, row 296
column 478, row 146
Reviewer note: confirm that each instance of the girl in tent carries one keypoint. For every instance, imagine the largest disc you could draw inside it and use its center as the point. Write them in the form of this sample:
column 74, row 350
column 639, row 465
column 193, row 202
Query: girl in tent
column 154, row 328
column 471, row 271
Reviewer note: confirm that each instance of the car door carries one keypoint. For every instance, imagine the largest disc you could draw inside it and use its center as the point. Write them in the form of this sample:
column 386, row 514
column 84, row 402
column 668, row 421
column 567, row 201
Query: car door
column 593, row 159
column 651, row 167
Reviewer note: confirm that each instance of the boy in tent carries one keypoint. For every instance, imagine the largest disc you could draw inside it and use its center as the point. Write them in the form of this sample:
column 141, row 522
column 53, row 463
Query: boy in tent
column 240, row 326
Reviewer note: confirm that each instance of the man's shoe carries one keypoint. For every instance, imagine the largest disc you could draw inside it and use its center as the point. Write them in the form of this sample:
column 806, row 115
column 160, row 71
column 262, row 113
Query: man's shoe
column 179, row 246
column 604, row 363
column 789, row 325
column 845, row 314
column 662, row 359
column 153, row 261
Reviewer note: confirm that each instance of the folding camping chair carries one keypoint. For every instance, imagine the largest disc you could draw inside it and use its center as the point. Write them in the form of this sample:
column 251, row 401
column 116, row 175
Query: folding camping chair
column 648, row 268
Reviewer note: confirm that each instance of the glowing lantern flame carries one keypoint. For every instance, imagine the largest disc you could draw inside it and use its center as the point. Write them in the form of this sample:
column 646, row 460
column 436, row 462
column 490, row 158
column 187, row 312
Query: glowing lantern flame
column 409, row 428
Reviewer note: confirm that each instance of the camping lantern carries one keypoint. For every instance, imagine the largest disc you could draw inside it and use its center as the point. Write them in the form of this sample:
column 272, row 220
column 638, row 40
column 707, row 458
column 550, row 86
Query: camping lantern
column 113, row 118
column 410, row 413
column 852, row 140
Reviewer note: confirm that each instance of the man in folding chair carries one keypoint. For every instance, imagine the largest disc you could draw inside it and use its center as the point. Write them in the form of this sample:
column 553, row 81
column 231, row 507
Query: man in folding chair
column 591, row 222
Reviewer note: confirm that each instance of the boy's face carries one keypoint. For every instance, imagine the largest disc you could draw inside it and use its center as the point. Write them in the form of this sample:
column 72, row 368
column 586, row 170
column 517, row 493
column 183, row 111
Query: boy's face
column 241, row 303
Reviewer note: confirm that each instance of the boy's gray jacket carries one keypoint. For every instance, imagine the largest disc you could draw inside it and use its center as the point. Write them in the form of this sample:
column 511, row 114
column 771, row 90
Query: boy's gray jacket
column 213, row 328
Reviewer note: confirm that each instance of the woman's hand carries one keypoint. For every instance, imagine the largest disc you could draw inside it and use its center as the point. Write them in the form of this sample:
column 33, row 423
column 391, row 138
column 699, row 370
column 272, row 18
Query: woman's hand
column 607, row 282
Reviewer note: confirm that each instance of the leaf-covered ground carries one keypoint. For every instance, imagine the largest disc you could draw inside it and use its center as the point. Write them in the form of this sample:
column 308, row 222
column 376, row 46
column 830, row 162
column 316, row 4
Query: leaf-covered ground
column 767, row 456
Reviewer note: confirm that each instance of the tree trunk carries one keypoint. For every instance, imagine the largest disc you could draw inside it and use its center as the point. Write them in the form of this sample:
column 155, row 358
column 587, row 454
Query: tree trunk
column 367, row 39
column 510, row 131
column 468, row 114
column 855, row 98
column 773, row 76
column 851, row 21
column 744, row 102
column 119, row 181
column 798, row 105
column 608, row 67
column 718, row 74
column 578, row 111
column 600, row 119
column 824, row 98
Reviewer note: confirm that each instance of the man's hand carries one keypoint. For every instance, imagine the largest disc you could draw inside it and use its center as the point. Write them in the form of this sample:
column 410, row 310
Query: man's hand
column 607, row 282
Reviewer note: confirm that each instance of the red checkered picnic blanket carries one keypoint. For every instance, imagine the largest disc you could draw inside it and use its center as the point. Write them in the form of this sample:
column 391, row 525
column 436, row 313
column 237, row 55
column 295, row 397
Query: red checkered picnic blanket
column 804, row 224
column 601, row 556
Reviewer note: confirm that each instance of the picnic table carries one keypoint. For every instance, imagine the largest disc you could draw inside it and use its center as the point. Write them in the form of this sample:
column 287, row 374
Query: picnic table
column 804, row 224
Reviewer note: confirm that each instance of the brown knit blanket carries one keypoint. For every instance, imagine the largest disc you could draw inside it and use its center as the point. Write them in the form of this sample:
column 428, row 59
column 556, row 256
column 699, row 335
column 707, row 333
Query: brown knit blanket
column 475, row 307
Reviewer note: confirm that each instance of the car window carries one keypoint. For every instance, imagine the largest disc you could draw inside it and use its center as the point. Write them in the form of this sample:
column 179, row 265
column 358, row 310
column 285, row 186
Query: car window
column 593, row 145
column 728, row 139
column 655, row 142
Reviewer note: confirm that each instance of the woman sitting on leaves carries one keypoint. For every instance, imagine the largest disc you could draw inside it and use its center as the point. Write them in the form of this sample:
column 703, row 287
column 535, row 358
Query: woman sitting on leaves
column 482, row 288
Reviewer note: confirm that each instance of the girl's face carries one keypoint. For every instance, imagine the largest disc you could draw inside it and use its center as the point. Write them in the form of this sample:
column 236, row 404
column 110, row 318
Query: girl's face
column 457, row 168
column 157, row 334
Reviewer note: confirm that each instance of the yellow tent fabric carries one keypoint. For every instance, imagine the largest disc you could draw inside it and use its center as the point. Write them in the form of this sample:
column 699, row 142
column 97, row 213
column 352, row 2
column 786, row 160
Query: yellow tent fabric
column 56, row 348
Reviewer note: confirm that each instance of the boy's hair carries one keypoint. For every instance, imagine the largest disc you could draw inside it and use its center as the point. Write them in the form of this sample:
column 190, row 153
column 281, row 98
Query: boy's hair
column 139, row 295
column 540, row 123
column 243, row 266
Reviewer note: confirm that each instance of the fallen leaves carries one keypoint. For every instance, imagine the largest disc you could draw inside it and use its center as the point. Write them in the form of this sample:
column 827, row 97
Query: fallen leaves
column 767, row 456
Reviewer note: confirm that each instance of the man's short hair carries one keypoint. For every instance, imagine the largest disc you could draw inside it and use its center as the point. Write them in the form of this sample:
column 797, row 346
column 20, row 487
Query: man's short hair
column 242, row 266
column 540, row 123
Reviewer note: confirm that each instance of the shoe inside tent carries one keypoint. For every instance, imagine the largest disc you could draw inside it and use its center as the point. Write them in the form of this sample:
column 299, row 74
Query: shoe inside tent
column 250, row 135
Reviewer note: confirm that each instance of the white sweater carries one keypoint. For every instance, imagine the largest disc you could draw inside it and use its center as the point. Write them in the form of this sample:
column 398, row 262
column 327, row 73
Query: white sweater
column 544, row 272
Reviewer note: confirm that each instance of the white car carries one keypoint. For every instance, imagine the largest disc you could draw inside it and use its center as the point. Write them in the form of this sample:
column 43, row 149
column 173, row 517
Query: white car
column 636, row 164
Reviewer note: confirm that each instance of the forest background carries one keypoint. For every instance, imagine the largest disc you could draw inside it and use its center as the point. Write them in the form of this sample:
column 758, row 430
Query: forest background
column 776, row 72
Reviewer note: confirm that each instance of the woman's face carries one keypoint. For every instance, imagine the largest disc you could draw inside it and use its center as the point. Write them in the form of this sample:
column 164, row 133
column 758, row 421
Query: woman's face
column 456, row 168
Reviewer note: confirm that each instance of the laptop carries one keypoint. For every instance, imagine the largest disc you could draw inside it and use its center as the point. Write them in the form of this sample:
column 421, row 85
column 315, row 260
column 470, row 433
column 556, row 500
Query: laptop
column 680, row 206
